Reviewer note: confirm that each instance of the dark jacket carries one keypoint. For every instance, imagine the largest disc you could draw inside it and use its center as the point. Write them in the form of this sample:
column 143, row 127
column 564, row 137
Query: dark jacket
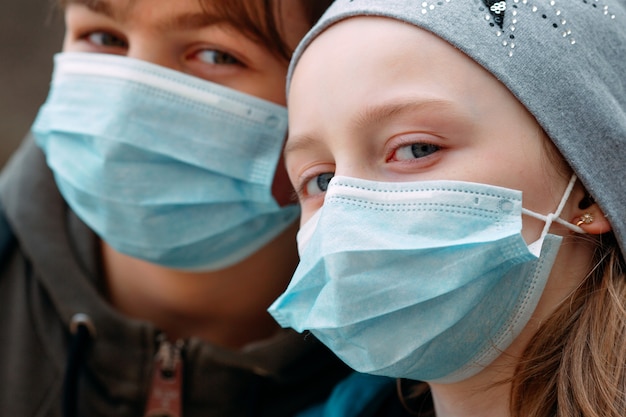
column 50, row 271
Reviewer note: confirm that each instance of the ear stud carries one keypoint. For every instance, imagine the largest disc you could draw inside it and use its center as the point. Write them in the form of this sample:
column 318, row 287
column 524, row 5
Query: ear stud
column 586, row 218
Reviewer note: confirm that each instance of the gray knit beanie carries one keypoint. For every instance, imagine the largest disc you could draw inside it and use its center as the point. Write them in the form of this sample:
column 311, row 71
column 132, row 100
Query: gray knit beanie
column 565, row 60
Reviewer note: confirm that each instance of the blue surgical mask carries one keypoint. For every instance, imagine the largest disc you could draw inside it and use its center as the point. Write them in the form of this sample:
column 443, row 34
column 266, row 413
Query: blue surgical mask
column 165, row 167
column 422, row 280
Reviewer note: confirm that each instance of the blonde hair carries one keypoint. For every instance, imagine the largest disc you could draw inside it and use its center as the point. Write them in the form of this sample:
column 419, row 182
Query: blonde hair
column 575, row 365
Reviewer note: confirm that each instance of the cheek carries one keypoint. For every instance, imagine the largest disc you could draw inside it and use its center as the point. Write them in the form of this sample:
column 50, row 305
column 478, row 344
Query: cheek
column 542, row 194
column 273, row 89
column 268, row 83
column 281, row 188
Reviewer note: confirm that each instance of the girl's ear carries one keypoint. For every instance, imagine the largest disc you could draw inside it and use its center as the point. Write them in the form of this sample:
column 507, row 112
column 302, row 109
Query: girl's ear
column 591, row 219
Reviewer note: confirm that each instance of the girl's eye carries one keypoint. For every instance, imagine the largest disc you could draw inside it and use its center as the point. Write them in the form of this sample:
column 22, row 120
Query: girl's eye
column 217, row 57
column 318, row 184
column 106, row 39
column 414, row 151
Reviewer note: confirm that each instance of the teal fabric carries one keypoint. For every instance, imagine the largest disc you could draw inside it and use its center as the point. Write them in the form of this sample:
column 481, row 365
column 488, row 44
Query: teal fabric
column 355, row 396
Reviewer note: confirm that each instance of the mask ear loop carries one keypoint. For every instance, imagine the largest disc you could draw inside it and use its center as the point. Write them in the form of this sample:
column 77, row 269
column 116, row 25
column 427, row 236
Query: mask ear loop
column 554, row 217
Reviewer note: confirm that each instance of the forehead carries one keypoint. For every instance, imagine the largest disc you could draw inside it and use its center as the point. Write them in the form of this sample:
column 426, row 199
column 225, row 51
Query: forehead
column 126, row 10
column 363, row 71
column 374, row 57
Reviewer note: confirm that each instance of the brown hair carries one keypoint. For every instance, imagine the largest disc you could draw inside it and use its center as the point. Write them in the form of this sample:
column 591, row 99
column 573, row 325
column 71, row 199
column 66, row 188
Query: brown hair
column 257, row 19
column 575, row 365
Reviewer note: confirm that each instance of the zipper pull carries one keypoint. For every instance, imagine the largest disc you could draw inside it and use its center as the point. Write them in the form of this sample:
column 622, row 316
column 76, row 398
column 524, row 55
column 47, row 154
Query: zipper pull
column 165, row 396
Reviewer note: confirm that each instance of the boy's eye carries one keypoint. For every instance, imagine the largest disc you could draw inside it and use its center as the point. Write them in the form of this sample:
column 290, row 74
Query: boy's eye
column 106, row 39
column 217, row 57
column 414, row 151
column 318, row 184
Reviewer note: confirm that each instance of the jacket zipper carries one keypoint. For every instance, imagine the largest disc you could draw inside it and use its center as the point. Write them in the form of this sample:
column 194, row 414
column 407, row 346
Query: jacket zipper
column 165, row 395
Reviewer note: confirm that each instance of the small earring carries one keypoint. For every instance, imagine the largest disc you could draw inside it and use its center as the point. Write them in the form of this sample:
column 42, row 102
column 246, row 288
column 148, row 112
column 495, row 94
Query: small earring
column 586, row 218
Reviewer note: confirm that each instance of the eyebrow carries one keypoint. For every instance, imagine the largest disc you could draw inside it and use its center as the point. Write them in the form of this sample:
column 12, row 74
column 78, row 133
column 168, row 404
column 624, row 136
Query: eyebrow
column 377, row 114
column 96, row 6
column 188, row 21
column 373, row 115
column 298, row 143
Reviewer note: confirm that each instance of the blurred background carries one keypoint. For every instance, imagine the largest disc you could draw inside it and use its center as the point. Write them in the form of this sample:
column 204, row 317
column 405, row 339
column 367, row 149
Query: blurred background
column 31, row 32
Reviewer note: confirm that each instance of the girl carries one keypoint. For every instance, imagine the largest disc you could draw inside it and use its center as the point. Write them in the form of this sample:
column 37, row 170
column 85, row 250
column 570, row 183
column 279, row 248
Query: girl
column 459, row 167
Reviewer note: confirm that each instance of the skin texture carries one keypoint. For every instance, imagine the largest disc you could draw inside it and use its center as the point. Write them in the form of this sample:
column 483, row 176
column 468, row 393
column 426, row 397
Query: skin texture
column 369, row 88
column 225, row 307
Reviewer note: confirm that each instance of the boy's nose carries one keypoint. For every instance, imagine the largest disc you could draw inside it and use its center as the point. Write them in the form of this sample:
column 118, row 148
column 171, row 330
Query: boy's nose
column 153, row 51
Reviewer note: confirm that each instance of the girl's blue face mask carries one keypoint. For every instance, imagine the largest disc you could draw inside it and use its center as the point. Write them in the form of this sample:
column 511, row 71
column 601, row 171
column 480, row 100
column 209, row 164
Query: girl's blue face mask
column 422, row 280
column 165, row 167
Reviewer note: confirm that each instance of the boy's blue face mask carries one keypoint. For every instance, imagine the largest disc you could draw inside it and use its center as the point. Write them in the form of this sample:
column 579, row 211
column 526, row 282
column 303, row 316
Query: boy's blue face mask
column 164, row 166
column 422, row 280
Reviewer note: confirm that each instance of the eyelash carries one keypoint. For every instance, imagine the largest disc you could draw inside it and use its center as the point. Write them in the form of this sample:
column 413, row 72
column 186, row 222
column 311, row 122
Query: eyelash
column 117, row 41
column 109, row 40
column 417, row 146
column 420, row 148
column 424, row 147
column 301, row 191
column 232, row 60
column 90, row 37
